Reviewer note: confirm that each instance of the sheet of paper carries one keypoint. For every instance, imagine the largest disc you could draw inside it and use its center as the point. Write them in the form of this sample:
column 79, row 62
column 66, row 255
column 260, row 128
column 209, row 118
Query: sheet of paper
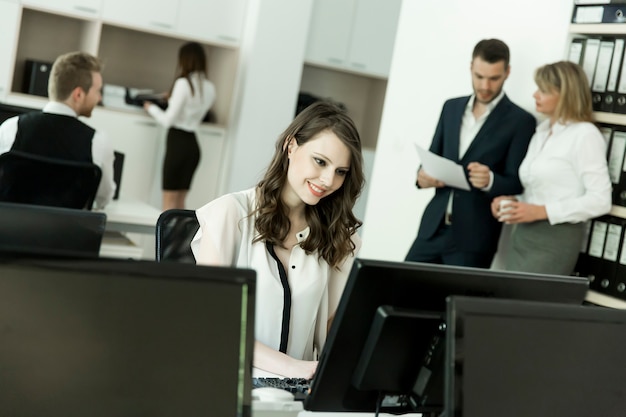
column 443, row 169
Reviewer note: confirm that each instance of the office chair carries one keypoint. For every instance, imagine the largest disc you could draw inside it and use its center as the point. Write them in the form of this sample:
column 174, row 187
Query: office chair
column 34, row 179
column 175, row 228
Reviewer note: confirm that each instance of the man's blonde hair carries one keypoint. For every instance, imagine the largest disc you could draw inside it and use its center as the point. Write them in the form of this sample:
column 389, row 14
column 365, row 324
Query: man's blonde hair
column 69, row 71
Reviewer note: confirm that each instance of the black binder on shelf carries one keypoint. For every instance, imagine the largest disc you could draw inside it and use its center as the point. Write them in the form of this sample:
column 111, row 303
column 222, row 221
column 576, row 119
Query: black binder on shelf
column 590, row 57
column 617, row 173
column 597, row 238
column 582, row 263
column 618, row 286
column 599, row 13
column 601, row 73
column 619, row 104
column 615, row 152
column 36, row 74
column 607, row 133
column 610, row 94
column 605, row 279
column 576, row 50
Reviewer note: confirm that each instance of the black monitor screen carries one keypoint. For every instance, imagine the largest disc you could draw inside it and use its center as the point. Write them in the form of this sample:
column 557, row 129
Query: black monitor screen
column 388, row 336
column 47, row 230
column 125, row 338
column 522, row 358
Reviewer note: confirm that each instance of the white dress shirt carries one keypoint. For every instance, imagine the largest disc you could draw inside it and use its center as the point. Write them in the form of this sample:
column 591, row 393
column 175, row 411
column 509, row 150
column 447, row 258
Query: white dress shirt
column 225, row 238
column 101, row 150
column 470, row 126
column 566, row 170
column 185, row 110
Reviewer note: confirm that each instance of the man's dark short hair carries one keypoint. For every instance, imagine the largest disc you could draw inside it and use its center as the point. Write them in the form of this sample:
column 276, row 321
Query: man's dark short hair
column 492, row 51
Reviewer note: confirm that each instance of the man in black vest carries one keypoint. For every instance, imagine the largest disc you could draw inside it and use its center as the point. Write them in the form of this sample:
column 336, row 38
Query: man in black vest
column 74, row 88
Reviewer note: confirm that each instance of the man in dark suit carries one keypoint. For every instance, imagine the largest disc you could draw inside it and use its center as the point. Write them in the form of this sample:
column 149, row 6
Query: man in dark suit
column 488, row 135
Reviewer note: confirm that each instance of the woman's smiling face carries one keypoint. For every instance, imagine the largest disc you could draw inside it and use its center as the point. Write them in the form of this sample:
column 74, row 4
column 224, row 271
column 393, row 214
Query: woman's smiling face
column 317, row 168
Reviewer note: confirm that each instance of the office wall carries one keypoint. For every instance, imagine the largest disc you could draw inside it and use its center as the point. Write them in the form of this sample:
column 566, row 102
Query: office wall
column 272, row 54
column 430, row 64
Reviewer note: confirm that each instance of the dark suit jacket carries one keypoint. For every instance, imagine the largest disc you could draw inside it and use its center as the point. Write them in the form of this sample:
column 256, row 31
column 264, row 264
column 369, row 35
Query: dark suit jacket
column 500, row 144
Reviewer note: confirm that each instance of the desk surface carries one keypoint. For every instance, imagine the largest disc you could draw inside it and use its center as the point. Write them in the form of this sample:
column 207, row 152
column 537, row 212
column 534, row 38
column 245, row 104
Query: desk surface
column 132, row 216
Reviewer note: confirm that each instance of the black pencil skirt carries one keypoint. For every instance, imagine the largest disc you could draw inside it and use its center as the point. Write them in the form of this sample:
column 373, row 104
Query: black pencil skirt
column 182, row 155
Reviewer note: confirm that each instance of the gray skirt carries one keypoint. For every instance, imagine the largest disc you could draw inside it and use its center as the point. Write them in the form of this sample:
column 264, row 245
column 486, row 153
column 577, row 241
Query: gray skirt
column 543, row 248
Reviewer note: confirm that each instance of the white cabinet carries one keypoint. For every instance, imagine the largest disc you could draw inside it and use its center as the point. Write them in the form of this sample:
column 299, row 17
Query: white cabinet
column 204, row 187
column 147, row 14
column 215, row 21
column 137, row 137
column 87, row 8
column 329, row 33
column 353, row 35
column 373, row 36
column 9, row 21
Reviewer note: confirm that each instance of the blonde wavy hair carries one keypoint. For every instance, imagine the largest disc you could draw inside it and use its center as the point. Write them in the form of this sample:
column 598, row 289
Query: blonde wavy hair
column 571, row 82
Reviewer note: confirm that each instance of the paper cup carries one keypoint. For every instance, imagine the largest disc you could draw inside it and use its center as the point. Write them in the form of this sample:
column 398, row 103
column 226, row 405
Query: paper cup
column 503, row 207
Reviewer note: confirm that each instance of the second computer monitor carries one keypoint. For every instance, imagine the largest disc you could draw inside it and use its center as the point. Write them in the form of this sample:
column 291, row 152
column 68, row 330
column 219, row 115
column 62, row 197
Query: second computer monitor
column 522, row 358
column 379, row 348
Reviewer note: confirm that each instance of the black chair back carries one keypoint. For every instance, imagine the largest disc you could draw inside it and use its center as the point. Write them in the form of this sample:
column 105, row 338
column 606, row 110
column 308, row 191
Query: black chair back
column 33, row 179
column 175, row 228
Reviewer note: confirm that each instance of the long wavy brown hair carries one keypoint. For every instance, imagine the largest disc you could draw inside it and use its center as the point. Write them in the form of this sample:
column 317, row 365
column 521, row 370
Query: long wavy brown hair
column 331, row 221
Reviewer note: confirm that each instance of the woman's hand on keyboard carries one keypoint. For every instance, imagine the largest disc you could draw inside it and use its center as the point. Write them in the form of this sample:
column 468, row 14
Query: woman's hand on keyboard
column 302, row 369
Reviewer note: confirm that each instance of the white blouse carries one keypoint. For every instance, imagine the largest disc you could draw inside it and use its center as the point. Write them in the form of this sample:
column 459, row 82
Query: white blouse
column 186, row 110
column 566, row 170
column 225, row 238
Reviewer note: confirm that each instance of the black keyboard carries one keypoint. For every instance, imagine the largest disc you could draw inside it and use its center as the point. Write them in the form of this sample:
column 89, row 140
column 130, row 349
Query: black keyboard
column 299, row 387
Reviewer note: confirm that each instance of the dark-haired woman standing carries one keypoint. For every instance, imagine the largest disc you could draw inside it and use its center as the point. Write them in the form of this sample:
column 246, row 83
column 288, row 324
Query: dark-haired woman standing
column 190, row 98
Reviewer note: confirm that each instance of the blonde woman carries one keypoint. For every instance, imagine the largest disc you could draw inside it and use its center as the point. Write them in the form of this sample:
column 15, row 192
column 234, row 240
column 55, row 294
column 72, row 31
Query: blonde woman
column 564, row 174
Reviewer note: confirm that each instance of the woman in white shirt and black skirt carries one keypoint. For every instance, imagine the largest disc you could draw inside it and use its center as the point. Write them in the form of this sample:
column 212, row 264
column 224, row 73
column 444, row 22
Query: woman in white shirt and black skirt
column 191, row 97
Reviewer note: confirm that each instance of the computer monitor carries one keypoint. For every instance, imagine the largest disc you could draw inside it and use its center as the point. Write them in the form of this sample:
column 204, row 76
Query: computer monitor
column 47, row 230
column 524, row 358
column 125, row 338
column 387, row 337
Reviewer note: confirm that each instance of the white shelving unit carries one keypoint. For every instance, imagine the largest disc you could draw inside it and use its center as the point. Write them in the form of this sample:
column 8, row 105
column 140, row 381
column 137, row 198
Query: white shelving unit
column 604, row 30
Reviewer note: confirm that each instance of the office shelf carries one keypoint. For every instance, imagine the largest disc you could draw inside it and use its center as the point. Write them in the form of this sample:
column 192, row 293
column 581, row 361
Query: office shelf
column 598, row 28
column 611, row 118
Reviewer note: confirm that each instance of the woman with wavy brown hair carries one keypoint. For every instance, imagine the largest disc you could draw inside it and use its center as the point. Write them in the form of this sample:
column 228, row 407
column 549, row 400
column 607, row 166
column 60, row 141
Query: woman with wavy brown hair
column 296, row 228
